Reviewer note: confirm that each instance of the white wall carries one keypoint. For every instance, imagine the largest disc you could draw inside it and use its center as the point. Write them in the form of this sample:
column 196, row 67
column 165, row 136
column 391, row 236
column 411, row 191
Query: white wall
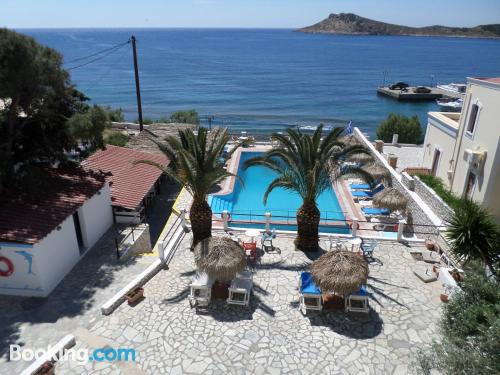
column 96, row 216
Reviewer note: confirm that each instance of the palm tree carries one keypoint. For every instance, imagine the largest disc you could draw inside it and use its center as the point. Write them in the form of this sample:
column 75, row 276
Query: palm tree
column 474, row 235
column 307, row 165
column 195, row 165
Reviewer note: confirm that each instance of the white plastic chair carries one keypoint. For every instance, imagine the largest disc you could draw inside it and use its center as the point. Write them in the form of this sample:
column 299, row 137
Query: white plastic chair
column 239, row 291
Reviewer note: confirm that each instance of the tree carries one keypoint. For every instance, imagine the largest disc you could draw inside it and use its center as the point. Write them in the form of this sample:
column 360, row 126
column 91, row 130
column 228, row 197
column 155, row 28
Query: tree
column 474, row 235
column 185, row 117
column 87, row 127
column 470, row 330
column 307, row 165
column 194, row 164
column 38, row 98
column 408, row 129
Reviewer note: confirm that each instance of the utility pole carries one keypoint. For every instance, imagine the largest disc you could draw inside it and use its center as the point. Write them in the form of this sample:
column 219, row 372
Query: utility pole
column 137, row 85
column 210, row 118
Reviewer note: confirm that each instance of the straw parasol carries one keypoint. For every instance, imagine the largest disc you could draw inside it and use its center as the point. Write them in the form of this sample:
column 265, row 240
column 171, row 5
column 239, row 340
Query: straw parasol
column 377, row 171
column 361, row 158
column 392, row 199
column 341, row 272
column 349, row 140
column 220, row 258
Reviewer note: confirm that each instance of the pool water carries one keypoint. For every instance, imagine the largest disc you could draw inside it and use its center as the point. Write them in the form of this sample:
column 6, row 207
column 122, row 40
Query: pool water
column 245, row 203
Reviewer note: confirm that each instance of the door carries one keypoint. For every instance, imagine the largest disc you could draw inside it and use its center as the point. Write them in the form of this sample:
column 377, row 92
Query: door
column 435, row 162
column 78, row 230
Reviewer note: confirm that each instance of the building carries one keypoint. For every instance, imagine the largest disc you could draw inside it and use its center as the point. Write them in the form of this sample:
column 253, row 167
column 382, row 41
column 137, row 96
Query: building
column 42, row 238
column 133, row 186
column 463, row 149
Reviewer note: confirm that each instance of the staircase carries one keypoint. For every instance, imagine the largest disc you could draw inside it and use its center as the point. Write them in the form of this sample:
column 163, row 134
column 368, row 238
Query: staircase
column 218, row 204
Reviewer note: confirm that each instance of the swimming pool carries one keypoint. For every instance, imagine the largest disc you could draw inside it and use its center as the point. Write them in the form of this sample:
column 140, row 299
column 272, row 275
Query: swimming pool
column 246, row 206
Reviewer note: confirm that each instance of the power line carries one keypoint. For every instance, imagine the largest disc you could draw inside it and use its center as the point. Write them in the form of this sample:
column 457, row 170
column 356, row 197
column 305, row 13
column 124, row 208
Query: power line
column 96, row 53
column 98, row 58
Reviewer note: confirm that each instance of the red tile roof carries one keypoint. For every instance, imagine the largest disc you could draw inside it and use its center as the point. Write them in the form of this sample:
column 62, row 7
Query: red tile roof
column 129, row 183
column 30, row 219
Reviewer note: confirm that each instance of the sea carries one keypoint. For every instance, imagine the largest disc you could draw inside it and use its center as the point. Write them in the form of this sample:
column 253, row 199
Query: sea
column 264, row 80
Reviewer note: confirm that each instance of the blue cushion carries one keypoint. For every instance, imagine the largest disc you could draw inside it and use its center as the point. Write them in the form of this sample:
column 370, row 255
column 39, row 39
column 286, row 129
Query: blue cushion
column 376, row 211
column 363, row 291
column 362, row 194
column 307, row 284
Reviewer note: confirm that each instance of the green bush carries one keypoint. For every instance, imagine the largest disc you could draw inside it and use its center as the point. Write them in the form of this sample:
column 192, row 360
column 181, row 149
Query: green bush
column 408, row 129
column 114, row 115
column 185, row 117
column 116, row 139
column 470, row 330
column 438, row 186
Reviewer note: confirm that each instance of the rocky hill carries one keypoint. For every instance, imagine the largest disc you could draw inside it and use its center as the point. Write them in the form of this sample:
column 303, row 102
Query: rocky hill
column 352, row 24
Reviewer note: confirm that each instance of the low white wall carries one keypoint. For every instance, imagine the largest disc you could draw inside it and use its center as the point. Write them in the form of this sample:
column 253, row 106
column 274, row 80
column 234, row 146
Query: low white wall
column 96, row 216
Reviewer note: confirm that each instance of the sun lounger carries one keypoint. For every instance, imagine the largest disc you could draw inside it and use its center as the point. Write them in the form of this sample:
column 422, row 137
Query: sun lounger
column 239, row 291
column 367, row 194
column 362, row 186
column 358, row 302
column 374, row 211
column 368, row 248
column 200, row 290
column 310, row 295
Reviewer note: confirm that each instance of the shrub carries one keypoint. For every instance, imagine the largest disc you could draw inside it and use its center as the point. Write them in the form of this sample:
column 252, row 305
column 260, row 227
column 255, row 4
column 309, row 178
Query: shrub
column 185, row 117
column 438, row 186
column 408, row 129
column 114, row 115
column 470, row 330
column 116, row 139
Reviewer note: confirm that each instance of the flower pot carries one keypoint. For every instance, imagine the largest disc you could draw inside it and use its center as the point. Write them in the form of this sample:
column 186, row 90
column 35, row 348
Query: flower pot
column 47, row 368
column 135, row 295
column 444, row 297
column 430, row 244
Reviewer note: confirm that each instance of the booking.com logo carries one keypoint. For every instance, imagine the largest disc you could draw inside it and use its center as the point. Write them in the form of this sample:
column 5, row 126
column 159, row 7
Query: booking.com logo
column 81, row 356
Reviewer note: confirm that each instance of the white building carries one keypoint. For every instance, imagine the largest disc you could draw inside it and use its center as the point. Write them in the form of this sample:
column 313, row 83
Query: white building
column 464, row 149
column 43, row 238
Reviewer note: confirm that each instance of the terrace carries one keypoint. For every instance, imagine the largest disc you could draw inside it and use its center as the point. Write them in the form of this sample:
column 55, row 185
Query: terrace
column 270, row 335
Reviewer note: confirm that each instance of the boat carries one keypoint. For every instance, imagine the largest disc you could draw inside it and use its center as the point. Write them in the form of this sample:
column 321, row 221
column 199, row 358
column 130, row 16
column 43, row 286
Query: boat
column 455, row 88
column 447, row 104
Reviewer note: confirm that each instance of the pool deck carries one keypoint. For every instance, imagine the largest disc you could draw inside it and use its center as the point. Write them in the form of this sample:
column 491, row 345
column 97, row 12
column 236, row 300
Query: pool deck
column 271, row 336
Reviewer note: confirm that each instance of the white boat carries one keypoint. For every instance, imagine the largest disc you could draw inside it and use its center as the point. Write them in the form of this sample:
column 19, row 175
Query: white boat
column 450, row 105
column 455, row 88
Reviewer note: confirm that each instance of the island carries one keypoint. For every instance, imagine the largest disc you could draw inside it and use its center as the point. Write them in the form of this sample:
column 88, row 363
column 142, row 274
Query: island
column 352, row 24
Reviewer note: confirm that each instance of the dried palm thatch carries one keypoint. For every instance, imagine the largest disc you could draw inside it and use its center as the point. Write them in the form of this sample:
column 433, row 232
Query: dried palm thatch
column 392, row 199
column 377, row 171
column 361, row 158
column 349, row 140
column 341, row 272
column 220, row 258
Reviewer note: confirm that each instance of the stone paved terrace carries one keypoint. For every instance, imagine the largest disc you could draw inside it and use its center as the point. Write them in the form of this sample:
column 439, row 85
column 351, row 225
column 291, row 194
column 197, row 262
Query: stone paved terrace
column 271, row 336
column 408, row 155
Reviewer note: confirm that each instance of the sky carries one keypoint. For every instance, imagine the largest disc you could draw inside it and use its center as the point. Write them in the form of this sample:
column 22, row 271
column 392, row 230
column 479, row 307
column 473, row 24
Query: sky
column 239, row 13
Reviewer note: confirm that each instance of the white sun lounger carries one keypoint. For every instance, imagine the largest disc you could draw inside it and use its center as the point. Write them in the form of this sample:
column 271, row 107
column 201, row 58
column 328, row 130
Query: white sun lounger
column 200, row 290
column 239, row 291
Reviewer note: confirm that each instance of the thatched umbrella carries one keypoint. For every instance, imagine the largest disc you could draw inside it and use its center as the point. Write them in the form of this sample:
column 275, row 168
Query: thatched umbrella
column 361, row 158
column 341, row 272
column 220, row 258
column 377, row 171
column 392, row 199
column 349, row 140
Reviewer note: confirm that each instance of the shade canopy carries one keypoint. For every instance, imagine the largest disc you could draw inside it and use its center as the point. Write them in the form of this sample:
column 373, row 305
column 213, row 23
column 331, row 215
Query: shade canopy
column 221, row 258
column 392, row 199
column 349, row 140
column 341, row 272
column 377, row 171
column 361, row 158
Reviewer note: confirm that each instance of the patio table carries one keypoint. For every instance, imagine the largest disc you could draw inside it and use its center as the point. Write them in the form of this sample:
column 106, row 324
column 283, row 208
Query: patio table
column 355, row 242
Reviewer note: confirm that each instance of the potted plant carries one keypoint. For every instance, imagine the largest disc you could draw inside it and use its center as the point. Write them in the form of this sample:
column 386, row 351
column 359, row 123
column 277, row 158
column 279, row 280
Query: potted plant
column 47, row 368
column 430, row 244
column 135, row 295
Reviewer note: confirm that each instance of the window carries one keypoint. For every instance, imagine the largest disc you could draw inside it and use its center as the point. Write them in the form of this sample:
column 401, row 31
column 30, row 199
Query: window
column 474, row 112
column 469, row 185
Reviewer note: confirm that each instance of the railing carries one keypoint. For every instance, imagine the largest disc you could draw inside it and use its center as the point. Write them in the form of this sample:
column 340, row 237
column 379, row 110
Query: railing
column 170, row 239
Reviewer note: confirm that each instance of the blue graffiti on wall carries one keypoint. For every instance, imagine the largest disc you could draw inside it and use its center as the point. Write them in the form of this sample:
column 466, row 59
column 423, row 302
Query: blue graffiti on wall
column 29, row 259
